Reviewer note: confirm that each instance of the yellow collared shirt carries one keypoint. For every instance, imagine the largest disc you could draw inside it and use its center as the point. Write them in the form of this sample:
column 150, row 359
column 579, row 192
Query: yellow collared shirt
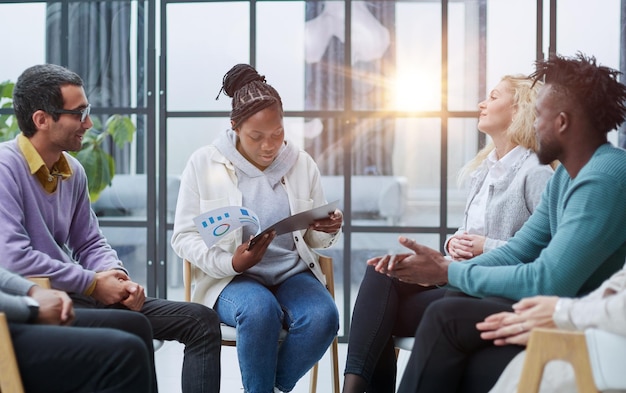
column 48, row 179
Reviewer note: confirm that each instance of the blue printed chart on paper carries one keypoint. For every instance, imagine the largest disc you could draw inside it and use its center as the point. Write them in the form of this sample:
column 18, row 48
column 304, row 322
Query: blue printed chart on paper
column 215, row 224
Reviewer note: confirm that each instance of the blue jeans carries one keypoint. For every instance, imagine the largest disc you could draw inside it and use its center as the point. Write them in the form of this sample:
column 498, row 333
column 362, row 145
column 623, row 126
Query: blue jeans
column 301, row 305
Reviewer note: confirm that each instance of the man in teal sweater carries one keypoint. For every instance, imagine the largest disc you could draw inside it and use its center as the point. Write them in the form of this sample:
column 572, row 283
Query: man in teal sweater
column 575, row 239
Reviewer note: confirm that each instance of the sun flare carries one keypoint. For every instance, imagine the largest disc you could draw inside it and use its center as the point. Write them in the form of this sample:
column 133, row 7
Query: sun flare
column 417, row 91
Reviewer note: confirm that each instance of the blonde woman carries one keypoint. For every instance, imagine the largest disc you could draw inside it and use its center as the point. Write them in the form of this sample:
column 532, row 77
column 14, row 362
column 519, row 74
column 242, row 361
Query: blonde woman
column 505, row 169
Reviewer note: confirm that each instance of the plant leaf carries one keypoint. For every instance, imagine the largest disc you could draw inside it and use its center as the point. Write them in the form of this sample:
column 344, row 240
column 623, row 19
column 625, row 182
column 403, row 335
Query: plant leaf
column 99, row 167
column 90, row 138
column 121, row 128
column 6, row 90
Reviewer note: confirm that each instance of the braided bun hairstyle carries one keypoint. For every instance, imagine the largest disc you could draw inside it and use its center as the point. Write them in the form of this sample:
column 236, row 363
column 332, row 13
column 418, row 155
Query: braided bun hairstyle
column 249, row 92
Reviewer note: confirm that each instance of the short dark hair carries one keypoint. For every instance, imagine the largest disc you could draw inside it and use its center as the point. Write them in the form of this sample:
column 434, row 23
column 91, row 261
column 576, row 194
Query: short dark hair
column 592, row 87
column 39, row 88
column 249, row 91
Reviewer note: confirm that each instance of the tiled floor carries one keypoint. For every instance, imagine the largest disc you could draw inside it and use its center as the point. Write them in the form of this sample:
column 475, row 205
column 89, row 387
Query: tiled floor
column 169, row 361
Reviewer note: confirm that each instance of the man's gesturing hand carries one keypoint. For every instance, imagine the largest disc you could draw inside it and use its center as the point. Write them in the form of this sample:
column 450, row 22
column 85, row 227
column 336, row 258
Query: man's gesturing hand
column 424, row 266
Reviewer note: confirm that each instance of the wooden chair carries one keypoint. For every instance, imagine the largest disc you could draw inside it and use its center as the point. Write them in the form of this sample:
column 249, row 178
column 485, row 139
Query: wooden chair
column 596, row 356
column 229, row 337
column 545, row 345
column 43, row 282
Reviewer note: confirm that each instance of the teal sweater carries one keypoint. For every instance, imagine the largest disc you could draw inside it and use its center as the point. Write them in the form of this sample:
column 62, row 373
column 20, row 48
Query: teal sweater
column 575, row 239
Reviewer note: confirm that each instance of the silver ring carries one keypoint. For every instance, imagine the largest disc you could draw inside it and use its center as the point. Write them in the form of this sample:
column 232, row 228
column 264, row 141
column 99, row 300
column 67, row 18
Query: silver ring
column 521, row 327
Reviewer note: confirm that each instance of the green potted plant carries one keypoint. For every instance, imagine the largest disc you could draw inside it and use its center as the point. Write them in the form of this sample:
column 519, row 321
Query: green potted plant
column 8, row 123
column 98, row 163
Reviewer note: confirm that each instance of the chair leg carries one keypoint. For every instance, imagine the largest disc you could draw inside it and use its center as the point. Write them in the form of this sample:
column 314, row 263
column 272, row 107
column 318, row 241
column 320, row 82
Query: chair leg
column 551, row 344
column 313, row 385
column 334, row 364
column 334, row 370
column 10, row 379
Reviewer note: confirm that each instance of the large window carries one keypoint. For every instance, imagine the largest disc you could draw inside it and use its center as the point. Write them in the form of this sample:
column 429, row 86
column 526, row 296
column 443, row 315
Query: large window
column 387, row 108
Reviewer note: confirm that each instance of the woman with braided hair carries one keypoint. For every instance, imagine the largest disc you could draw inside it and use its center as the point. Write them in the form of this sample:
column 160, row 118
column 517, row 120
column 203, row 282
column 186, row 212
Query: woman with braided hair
column 278, row 283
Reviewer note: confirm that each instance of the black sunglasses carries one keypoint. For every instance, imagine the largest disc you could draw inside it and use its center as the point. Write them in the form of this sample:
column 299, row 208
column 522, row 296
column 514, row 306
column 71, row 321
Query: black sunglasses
column 82, row 112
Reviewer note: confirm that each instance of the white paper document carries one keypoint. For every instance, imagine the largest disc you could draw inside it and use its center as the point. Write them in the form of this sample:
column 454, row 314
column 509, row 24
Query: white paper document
column 217, row 223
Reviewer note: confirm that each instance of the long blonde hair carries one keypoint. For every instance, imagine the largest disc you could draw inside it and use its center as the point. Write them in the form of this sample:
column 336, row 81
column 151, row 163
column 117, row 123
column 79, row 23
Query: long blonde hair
column 520, row 131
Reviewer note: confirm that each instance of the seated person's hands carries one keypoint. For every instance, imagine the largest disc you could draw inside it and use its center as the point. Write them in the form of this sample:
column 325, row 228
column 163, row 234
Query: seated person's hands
column 424, row 266
column 465, row 246
column 247, row 256
column 514, row 327
column 384, row 263
column 136, row 295
column 332, row 224
column 55, row 307
column 114, row 286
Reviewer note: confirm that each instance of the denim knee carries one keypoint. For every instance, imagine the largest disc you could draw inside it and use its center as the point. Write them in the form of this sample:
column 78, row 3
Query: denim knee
column 261, row 313
column 325, row 319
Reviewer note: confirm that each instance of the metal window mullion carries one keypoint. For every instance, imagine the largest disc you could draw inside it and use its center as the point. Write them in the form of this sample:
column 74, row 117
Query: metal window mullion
column 443, row 180
column 349, row 119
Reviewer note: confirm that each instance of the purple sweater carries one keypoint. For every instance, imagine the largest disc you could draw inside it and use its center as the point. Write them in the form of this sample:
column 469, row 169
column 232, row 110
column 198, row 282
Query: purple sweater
column 55, row 235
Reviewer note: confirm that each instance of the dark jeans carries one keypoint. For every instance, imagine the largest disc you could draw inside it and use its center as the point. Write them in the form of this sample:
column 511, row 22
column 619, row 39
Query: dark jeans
column 93, row 355
column 449, row 355
column 192, row 324
column 384, row 307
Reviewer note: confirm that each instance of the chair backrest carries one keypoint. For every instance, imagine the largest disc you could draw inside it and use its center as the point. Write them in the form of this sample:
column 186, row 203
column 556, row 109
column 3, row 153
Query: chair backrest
column 326, row 263
column 545, row 345
column 43, row 282
column 10, row 380
column 187, row 279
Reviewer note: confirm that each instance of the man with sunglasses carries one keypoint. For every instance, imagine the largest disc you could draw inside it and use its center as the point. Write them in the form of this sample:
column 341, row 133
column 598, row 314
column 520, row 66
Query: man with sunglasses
column 49, row 228
column 84, row 112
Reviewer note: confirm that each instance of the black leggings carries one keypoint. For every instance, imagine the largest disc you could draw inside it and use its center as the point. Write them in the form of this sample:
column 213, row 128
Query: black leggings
column 384, row 308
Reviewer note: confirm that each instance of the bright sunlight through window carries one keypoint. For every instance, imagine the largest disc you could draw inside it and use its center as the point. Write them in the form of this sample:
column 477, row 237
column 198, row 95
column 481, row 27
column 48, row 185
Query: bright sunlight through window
column 417, row 91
